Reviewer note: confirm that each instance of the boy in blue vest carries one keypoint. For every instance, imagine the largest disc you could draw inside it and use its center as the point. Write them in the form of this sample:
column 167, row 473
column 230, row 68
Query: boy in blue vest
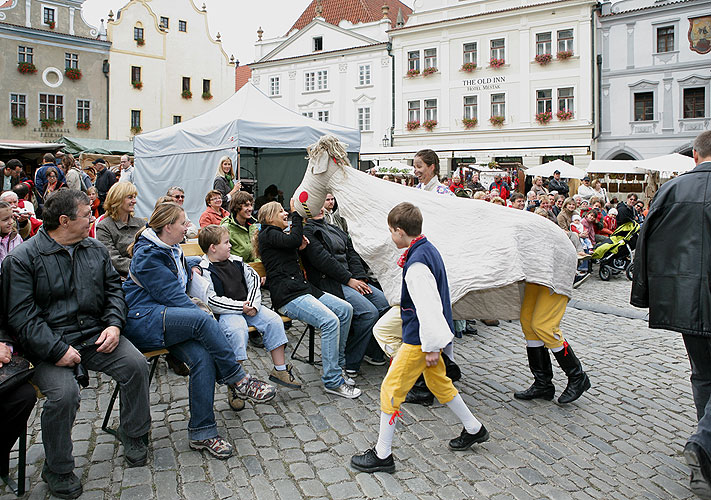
column 427, row 328
column 234, row 297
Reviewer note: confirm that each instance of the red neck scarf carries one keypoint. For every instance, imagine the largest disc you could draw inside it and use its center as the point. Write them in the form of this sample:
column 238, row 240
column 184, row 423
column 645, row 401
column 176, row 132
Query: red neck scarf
column 403, row 258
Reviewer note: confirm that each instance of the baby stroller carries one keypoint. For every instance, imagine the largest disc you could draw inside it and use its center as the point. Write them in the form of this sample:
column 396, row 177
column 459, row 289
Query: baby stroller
column 615, row 255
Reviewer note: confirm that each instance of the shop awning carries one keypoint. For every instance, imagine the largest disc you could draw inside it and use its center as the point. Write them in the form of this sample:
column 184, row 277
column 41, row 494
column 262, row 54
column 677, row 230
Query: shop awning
column 30, row 145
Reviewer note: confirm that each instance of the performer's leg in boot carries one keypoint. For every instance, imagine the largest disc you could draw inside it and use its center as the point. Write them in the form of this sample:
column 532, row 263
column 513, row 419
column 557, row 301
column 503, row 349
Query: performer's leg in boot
column 540, row 363
column 578, row 381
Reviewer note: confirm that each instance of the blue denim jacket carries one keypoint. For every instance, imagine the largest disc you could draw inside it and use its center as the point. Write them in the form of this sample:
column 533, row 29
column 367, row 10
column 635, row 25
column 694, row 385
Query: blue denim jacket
column 153, row 285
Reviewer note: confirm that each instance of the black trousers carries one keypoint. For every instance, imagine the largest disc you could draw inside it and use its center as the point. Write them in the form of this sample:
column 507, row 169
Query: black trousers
column 699, row 351
column 15, row 408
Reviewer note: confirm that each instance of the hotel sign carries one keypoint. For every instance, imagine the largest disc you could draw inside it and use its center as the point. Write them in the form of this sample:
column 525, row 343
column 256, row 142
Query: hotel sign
column 484, row 83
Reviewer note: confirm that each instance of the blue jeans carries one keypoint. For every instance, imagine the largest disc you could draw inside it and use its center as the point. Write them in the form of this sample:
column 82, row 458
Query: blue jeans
column 195, row 338
column 266, row 321
column 366, row 311
column 333, row 317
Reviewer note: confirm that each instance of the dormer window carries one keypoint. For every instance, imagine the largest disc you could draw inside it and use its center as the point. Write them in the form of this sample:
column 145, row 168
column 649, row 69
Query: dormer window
column 318, row 43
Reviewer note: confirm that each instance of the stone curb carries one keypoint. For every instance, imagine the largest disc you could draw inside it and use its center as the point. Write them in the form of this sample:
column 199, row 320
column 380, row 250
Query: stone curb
column 624, row 312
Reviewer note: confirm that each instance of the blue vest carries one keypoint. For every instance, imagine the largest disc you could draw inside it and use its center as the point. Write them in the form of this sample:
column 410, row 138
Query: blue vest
column 423, row 251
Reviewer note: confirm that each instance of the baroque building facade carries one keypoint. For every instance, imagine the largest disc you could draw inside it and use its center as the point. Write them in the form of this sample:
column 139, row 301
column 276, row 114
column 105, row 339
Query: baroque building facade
column 502, row 80
column 656, row 77
column 166, row 67
column 54, row 68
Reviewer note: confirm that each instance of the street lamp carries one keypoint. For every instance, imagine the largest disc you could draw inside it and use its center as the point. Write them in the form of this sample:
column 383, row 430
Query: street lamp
column 386, row 141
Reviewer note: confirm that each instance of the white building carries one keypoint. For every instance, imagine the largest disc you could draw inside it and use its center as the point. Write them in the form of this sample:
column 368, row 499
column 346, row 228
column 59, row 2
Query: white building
column 458, row 103
column 165, row 67
column 334, row 65
column 656, row 77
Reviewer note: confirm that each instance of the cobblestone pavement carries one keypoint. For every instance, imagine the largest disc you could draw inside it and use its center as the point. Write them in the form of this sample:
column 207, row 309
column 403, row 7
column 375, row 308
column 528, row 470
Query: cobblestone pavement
column 623, row 439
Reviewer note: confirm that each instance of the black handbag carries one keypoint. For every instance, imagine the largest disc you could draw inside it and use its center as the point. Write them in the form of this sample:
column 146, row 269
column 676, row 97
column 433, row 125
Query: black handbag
column 15, row 373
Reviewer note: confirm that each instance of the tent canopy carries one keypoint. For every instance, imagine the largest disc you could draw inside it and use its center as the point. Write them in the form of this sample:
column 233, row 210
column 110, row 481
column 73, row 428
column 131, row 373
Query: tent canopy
column 668, row 163
column 567, row 171
column 76, row 145
column 187, row 154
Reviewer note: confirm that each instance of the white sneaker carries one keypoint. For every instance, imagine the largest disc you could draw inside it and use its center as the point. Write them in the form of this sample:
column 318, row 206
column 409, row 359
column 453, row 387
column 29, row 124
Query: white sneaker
column 348, row 379
column 345, row 391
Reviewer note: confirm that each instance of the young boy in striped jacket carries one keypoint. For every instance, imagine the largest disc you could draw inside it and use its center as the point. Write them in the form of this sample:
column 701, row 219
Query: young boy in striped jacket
column 234, row 297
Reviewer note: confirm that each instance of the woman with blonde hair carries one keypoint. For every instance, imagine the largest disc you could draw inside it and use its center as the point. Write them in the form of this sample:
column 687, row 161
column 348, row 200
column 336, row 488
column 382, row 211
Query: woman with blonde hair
column 295, row 297
column 225, row 181
column 162, row 315
column 537, row 187
column 118, row 227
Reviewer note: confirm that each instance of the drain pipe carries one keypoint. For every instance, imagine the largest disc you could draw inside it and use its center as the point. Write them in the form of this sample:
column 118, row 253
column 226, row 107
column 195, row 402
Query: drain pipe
column 596, row 64
column 392, row 92
column 105, row 69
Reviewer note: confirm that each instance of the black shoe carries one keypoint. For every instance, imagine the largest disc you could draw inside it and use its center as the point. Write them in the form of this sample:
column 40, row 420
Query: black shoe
column 466, row 440
column 540, row 363
column 698, row 462
column 578, row 381
column 62, row 485
column 135, row 450
column 580, row 279
column 471, row 329
column 255, row 338
column 178, row 367
column 420, row 394
column 368, row 461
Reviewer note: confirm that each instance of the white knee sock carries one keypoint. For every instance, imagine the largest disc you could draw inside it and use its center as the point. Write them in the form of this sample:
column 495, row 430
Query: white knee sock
column 534, row 343
column 385, row 438
column 457, row 405
column 557, row 349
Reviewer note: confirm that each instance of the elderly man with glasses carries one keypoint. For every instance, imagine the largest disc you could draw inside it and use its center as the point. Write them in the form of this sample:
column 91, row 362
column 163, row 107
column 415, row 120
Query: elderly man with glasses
column 178, row 194
column 127, row 169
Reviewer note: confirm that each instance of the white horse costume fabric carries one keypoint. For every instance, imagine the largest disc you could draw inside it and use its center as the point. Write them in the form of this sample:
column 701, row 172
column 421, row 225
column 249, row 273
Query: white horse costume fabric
column 489, row 251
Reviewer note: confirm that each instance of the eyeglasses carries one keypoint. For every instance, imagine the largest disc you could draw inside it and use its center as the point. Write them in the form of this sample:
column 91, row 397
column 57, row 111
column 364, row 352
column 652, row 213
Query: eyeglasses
column 179, row 196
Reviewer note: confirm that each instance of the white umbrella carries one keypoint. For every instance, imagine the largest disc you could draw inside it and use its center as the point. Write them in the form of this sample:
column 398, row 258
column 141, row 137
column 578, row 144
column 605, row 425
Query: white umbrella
column 567, row 171
column 615, row 167
column 668, row 163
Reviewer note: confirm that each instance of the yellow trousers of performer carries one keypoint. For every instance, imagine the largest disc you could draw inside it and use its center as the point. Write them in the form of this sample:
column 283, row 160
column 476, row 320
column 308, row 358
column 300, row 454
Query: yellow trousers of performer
column 541, row 313
column 388, row 331
column 404, row 372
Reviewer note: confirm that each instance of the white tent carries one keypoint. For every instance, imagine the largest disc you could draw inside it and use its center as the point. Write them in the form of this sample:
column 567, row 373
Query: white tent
column 615, row 167
column 272, row 141
column 567, row 171
column 669, row 163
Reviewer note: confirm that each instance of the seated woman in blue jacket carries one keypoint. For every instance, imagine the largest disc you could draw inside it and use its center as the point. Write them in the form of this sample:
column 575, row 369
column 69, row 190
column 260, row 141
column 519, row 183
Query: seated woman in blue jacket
column 293, row 296
column 161, row 315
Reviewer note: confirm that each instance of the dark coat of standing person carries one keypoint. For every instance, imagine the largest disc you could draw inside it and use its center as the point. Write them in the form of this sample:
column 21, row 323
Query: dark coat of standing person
column 558, row 184
column 672, row 276
column 225, row 181
column 105, row 178
column 65, row 303
column 41, row 174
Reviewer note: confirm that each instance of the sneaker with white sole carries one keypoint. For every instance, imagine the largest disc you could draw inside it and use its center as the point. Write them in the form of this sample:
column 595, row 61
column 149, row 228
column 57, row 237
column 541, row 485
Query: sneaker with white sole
column 345, row 391
column 348, row 380
column 217, row 447
column 253, row 389
column 375, row 361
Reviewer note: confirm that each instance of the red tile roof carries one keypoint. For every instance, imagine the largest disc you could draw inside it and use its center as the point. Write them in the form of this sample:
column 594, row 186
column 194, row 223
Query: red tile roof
column 355, row 11
column 242, row 76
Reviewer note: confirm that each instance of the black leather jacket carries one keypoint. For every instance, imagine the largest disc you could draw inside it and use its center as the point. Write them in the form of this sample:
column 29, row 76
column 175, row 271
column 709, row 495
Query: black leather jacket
column 54, row 300
column 561, row 186
column 672, row 267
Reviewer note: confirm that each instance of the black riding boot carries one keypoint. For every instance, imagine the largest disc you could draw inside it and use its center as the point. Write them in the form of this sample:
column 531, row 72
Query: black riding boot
column 540, row 363
column 420, row 393
column 578, row 381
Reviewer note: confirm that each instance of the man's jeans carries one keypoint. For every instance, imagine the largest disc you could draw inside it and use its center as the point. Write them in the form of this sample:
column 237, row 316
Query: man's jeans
column 125, row 364
column 333, row 317
column 366, row 311
column 195, row 338
column 699, row 352
column 266, row 321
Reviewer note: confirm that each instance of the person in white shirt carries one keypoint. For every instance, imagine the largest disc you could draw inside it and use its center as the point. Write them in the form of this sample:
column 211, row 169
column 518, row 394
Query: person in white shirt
column 585, row 190
column 126, row 170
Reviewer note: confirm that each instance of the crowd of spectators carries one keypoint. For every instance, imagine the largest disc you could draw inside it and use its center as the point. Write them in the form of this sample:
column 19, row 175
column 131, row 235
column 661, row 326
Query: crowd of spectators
column 88, row 284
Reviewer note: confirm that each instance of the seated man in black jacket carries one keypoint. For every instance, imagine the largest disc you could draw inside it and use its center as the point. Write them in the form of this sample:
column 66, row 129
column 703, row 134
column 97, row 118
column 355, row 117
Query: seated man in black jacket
column 333, row 266
column 65, row 303
column 558, row 184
